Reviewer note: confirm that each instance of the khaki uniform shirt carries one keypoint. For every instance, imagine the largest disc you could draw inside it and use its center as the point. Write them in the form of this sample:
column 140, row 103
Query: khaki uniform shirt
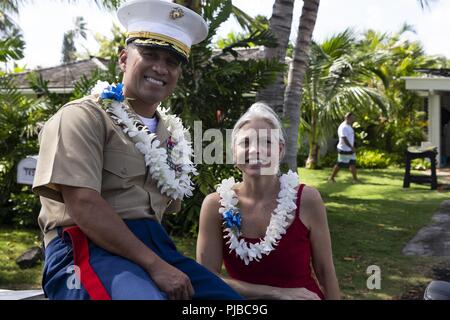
column 81, row 146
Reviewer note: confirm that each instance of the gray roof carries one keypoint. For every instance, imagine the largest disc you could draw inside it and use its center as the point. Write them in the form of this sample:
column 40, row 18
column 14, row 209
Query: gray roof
column 62, row 78
column 443, row 72
column 255, row 53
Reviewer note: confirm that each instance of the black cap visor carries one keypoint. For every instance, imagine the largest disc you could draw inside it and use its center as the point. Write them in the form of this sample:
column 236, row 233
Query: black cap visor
column 149, row 43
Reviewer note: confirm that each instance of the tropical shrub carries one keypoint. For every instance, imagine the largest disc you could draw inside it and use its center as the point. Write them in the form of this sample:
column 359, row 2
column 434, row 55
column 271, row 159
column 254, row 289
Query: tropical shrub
column 373, row 159
column 329, row 160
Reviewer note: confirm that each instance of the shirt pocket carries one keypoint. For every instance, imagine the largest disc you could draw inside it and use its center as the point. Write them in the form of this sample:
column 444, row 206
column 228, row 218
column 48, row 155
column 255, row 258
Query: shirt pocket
column 122, row 170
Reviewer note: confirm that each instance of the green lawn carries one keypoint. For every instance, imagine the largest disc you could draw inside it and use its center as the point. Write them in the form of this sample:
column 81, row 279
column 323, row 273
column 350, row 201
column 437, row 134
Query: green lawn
column 370, row 223
column 12, row 244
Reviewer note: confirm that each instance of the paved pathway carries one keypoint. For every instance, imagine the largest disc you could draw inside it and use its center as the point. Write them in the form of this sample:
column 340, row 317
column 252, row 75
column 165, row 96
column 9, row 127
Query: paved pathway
column 433, row 239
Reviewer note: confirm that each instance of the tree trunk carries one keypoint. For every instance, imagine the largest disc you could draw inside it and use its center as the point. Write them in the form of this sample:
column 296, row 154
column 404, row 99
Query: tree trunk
column 313, row 155
column 280, row 26
column 293, row 94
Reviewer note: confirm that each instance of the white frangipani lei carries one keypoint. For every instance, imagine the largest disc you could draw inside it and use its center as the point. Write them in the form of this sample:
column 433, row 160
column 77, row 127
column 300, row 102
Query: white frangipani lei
column 279, row 221
column 174, row 183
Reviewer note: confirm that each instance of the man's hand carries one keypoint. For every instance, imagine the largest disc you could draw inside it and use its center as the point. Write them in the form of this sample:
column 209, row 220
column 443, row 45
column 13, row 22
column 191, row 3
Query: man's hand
column 297, row 294
column 171, row 281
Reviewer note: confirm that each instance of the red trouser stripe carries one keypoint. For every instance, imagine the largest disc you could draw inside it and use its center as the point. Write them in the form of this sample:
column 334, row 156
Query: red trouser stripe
column 88, row 277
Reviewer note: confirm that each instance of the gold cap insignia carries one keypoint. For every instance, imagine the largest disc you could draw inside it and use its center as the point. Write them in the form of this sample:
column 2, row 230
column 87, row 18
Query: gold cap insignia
column 176, row 13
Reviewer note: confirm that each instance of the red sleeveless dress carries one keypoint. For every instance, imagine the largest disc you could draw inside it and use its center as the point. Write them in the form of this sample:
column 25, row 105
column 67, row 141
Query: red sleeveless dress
column 287, row 266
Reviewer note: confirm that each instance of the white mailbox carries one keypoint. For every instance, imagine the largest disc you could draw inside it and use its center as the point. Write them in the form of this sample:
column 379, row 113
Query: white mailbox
column 26, row 169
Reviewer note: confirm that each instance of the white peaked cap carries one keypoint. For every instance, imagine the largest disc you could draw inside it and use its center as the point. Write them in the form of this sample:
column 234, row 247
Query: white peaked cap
column 162, row 24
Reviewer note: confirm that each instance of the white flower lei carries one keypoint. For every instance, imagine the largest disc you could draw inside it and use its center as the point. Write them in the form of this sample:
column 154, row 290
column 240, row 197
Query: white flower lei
column 280, row 219
column 174, row 183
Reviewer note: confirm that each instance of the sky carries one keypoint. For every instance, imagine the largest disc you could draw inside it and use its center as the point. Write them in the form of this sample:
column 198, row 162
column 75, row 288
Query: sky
column 44, row 22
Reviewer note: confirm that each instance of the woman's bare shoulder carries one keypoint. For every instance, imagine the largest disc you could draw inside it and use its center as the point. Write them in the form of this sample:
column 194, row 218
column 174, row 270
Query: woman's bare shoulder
column 211, row 204
column 311, row 195
column 311, row 206
column 212, row 199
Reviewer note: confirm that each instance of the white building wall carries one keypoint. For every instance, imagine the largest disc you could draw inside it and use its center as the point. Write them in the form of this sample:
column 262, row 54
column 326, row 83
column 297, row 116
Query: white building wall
column 434, row 122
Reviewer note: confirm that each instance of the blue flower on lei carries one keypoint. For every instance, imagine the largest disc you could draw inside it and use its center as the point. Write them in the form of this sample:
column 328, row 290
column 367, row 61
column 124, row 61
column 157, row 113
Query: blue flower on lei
column 113, row 92
column 232, row 219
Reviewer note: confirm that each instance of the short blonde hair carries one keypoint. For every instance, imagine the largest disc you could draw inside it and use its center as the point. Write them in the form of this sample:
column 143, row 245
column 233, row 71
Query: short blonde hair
column 259, row 110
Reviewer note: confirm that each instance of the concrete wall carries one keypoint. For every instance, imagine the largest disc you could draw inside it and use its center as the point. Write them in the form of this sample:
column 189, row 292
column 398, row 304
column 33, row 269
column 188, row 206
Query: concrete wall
column 434, row 122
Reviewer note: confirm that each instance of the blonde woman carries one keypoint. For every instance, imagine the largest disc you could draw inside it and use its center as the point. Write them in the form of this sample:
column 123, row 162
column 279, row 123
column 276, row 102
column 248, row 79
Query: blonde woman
column 270, row 232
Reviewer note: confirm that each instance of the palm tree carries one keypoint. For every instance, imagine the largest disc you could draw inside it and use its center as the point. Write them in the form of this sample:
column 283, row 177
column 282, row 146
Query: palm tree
column 11, row 42
column 7, row 9
column 337, row 81
column 12, row 46
column 69, row 51
column 280, row 26
column 293, row 94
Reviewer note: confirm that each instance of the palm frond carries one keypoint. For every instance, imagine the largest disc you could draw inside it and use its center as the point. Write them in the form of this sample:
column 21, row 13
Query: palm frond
column 12, row 48
column 215, row 13
column 244, row 20
column 256, row 38
column 338, row 44
column 425, row 3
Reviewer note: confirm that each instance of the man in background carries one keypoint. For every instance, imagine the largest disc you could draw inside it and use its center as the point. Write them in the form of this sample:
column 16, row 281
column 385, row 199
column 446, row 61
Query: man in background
column 346, row 148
